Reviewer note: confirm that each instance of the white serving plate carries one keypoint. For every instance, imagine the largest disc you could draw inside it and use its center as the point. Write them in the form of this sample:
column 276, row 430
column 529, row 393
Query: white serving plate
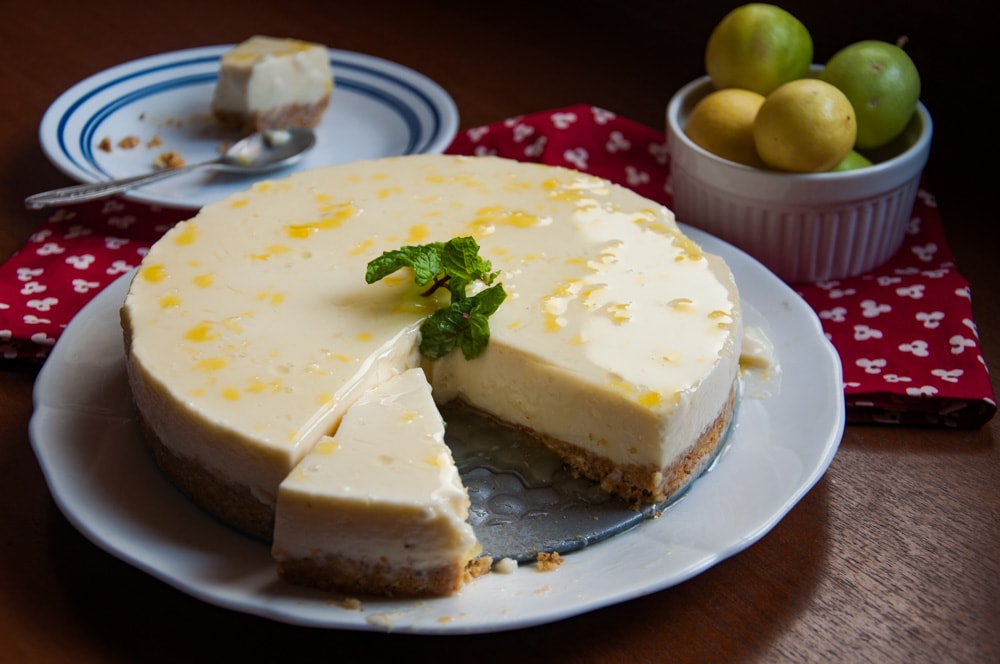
column 378, row 109
column 88, row 444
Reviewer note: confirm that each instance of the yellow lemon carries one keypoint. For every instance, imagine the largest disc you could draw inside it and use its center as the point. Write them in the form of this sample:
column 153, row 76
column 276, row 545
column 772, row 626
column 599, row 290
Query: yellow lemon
column 758, row 47
column 722, row 123
column 805, row 126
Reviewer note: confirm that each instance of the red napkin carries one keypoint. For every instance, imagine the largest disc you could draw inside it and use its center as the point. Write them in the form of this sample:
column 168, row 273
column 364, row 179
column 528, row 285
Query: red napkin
column 904, row 332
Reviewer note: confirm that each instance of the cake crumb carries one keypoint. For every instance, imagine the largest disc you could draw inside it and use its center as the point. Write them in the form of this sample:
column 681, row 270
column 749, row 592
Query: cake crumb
column 383, row 620
column 505, row 566
column 105, row 144
column 154, row 142
column 550, row 561
column 478, row 567
column 128, row 142
column 350, row 603
column 169, row 159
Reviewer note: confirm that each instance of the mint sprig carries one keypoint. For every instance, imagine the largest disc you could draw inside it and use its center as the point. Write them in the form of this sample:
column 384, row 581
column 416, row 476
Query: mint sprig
column 455, row 265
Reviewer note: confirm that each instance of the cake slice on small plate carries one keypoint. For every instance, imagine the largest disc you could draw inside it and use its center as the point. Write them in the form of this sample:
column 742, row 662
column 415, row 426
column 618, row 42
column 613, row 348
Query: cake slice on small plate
column 270, row 83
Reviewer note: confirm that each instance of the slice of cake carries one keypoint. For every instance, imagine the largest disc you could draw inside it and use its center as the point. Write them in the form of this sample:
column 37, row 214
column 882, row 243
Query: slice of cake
column 269, row 83
column 250, row 330
column 378, row 507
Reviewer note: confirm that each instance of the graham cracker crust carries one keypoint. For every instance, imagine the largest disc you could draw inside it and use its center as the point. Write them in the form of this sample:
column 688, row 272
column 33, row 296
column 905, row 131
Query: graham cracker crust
column 231, row 503
column 646, row 484
column 290, row 115
column 348, row 575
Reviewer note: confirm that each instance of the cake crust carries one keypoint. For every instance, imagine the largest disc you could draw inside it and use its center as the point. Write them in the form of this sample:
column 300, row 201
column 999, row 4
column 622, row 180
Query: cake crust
column 644, row 483
column 338, row 573
column 291, row 115
column 231, row 503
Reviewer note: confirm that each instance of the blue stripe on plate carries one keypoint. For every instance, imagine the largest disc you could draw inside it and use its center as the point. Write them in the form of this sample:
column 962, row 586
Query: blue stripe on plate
column 406, row 113
column 73, row 108
column 94, row 122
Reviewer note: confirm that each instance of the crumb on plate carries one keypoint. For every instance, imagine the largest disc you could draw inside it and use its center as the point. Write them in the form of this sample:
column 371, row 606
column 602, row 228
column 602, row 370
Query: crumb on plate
column 350, row 603
column 548, row 561
column 478, row 567
column 169, row 159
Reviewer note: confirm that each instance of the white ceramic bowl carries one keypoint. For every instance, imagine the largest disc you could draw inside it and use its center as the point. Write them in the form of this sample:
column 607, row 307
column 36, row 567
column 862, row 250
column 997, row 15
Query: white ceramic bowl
column 804, row 227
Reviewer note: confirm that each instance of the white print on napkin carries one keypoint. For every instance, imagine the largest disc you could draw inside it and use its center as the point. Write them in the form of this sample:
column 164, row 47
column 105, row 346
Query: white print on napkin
column 77, row 231
column 81, row 262
column 536, row 149
column 635, row 177
column 871, row 366
column 563, row 120
column 917, row 347
column 42, row 339
column 864, row 333
column 925, row 252
column 523, row 131
column 601, row 116
column 578, row 157
column 959, row 343
column 951, row 376
column 916, row 291
column 27, row 273
column 659, row 152
column 872, row 309
column 836, row 315
column 931, row 320
column 118, row 267
column 49, row 249
column 45, row 304
column 84, row 286
column 617, row 143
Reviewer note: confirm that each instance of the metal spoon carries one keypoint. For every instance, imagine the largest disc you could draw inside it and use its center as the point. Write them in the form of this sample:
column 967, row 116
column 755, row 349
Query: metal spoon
column 257, row 153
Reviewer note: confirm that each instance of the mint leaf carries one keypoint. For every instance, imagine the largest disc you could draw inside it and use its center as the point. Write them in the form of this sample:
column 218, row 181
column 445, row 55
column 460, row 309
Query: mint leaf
column 424, row 260
column 455, row 264
column 460, row 260
column 464, row 323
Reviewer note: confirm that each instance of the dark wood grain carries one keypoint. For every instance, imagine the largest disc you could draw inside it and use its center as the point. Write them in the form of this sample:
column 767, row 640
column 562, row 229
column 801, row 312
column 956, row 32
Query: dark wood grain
column 892, row 557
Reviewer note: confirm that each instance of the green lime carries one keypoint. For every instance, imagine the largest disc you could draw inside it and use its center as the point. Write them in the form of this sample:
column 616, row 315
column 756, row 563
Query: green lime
column 758, row 47
column 883, row 85
column 853, row 161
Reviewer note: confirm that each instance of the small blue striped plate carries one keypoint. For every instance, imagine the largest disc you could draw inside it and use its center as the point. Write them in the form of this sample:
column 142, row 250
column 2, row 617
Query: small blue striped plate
column 162, row 103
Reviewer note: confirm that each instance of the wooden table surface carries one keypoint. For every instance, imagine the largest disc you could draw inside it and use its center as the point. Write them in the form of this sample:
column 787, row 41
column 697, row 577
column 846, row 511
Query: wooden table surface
column 893, row 556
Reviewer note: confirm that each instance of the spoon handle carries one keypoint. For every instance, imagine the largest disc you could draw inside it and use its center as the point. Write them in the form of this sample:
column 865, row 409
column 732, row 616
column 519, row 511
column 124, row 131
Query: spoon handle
column 90, row 191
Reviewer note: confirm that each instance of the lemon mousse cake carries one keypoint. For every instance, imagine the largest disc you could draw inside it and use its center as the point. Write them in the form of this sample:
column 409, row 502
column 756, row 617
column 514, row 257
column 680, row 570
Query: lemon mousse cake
column 251, row 334
column 270, row 83
column 378, row 506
